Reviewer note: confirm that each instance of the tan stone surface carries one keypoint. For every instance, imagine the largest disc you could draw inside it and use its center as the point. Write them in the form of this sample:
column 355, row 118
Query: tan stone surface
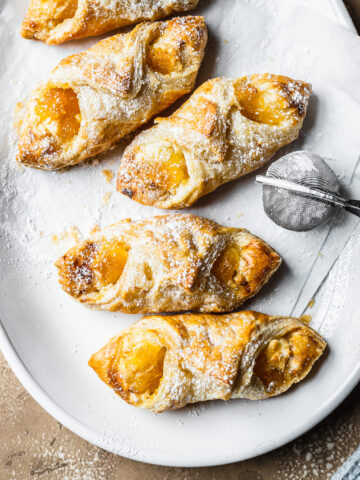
column 35, row 446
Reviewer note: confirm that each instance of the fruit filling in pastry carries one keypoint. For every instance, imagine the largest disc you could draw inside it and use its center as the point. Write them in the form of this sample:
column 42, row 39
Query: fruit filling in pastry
column 58, row 110
column 96, row 265
column 58, row 21
column 168, row 263
column 93, row 99
column 139, row 364
column 227, row 129
column 166, row 362
column 269, row 100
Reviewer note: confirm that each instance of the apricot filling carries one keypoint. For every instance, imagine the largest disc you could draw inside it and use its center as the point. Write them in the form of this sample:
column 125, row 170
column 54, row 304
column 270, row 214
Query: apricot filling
column 173, row 168
column 263, row 100
column 164, row 166
column 164, row 54
column 109, row 261
column 59, row 10
column 58, row 110
column 140, row 363
column 226, row 266
column 94, row 266
column 285, row 359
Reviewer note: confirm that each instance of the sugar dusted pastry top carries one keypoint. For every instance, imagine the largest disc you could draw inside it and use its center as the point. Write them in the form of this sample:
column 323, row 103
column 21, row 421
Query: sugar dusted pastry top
column 57, row 21
column 94, row 98
column 167, row 263
column 227, row 129
column 167, row 362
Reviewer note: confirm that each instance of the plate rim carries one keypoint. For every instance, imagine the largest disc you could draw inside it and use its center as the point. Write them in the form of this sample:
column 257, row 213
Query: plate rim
column 156, row 457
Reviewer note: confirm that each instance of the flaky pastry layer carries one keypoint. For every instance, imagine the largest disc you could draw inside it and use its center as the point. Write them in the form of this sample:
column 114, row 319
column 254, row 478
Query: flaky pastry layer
column 167, row 263
column 227, row 129
column 57, row 21
column 166, row 362
column 93, row 99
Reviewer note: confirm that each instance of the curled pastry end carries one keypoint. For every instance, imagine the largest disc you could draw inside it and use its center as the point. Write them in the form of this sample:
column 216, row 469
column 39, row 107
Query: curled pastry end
column 174, row 46
column 90, row 266
column 152, row 172
column 43, row 18
column 286, row 360
column 273, row 99
column 245, row 266
column 49, row 127
column 132, row 364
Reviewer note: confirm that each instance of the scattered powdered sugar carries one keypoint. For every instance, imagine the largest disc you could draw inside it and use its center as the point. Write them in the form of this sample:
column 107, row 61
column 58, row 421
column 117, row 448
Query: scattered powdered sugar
column 31, row 451
column 302, row 162
column 317, row 454
column 335, row 294
column 37, row 205
column 54, row 453
column 197, row 409
column 119, row 440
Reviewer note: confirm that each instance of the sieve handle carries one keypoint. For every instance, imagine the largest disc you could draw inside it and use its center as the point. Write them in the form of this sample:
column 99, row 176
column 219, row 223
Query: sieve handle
column 303, row 190
column 353, row 206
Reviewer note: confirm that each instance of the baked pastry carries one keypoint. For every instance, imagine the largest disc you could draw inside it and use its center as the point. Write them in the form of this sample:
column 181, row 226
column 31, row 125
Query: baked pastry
column 167, row 362
column 227, row 129
column 57, row 21
column 167, row 263
column 93, row 99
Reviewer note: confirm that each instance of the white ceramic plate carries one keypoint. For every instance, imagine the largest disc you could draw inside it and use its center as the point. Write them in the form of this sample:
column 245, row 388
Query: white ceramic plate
column 47, row 339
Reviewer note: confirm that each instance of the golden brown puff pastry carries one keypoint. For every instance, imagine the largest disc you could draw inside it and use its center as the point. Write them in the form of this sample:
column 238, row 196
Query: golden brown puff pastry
column 227, row 129
column 57, row 21
column 167, row 362
column 94, row 98
column 167, row 263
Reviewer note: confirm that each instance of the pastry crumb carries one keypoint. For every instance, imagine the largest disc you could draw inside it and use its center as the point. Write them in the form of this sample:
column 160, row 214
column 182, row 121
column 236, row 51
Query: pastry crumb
column 95, row 229
column 18, row 116
column 108, row 174
column 311, row 303
column 306, row 318
column 69, row 234
column 106, row 198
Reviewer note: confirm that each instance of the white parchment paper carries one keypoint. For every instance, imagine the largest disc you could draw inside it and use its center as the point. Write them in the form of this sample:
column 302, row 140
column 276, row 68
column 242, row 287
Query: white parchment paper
column 250, row 36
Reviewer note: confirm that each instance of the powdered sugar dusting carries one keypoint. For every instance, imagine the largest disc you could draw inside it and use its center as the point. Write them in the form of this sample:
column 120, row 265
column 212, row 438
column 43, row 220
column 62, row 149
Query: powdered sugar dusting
column 215, row 137
column 56, row 24
column 55, row 201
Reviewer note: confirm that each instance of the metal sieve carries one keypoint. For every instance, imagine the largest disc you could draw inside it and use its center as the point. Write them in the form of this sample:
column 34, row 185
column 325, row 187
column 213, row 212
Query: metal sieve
column 301, row 192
